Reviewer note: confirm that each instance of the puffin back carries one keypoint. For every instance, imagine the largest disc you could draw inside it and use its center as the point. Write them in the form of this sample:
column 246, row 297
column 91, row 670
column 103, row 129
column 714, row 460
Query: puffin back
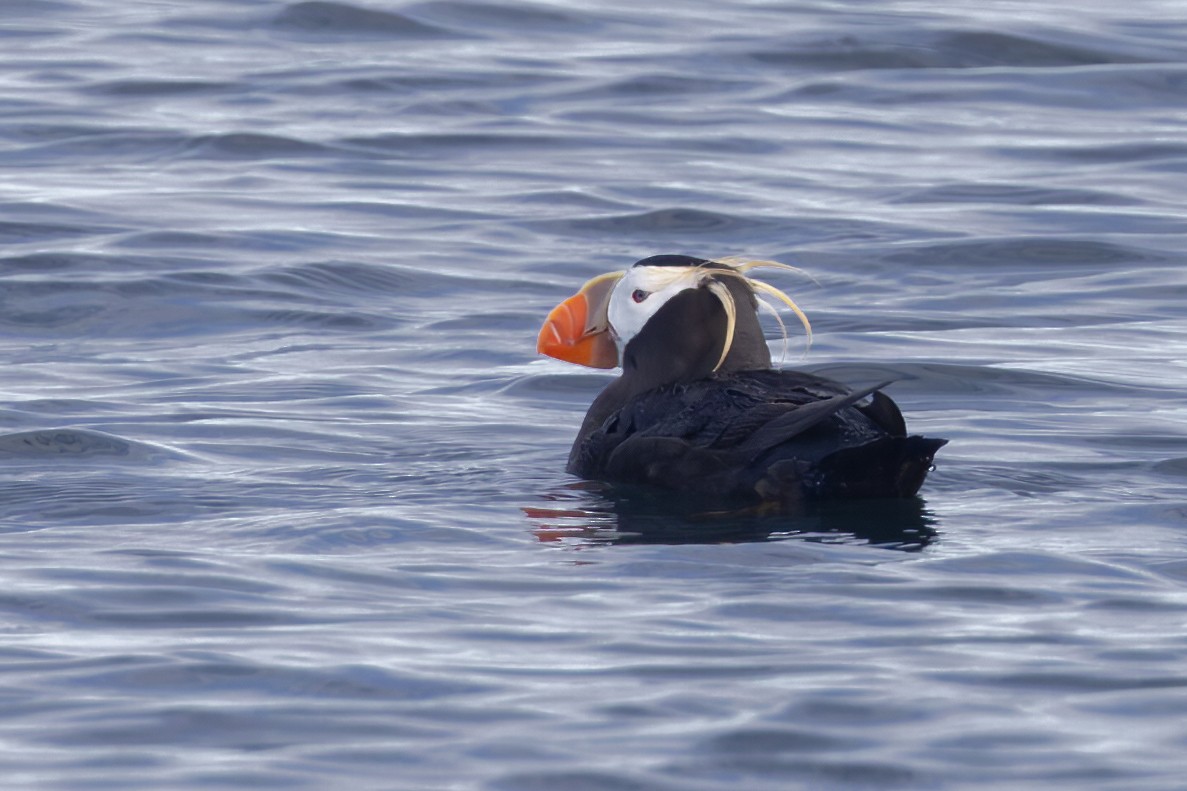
column 758, row 436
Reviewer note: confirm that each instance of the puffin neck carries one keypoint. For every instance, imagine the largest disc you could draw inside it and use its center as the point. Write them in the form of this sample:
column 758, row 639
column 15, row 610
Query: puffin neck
column 682, row 342
column 749, row 351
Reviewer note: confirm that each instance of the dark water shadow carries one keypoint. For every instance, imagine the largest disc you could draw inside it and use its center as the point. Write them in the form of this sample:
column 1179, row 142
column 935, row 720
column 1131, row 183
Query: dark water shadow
column 589, row 513
column 56, row 445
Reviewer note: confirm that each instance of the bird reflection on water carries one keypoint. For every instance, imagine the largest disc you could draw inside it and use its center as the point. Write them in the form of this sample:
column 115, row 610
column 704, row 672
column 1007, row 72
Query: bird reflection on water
column 590, row 513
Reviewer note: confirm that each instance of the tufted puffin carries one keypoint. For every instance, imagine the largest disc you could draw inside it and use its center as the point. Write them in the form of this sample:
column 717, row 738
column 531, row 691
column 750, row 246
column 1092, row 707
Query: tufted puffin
column 699, row 409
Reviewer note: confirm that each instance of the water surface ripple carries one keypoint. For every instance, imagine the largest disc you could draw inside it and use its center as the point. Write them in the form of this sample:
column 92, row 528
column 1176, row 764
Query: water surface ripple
column 282, row 501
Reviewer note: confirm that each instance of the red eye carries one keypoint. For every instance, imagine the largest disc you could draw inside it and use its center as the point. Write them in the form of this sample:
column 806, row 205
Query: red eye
column 639, row 295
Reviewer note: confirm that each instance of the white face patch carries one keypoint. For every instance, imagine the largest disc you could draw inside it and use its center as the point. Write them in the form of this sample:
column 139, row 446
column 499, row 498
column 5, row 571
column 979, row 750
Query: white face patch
column 641, row 292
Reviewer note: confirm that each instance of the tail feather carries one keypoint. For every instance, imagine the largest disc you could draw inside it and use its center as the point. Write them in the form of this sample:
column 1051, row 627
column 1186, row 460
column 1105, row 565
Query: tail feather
column 886, row 467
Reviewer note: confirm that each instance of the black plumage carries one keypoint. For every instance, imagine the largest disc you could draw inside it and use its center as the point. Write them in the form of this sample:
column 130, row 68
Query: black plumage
column 680, row 417
column 758, row 436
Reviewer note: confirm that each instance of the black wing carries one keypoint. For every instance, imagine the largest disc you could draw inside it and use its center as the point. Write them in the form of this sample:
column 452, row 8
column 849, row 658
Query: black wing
column 722, row 435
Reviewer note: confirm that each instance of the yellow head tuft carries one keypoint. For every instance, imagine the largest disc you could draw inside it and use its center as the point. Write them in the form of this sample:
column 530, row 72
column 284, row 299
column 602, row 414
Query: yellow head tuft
column 740, row 267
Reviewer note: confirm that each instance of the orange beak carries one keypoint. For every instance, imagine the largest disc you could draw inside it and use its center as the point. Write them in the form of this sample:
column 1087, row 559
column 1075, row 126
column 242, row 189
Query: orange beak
column 577, row 330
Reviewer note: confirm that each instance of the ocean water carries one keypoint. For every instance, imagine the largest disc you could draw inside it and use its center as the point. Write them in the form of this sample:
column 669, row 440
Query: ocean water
column 282, row 501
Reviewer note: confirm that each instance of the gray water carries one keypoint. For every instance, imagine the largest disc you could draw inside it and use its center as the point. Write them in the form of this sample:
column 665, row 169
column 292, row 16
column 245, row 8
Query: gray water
column 283, row 501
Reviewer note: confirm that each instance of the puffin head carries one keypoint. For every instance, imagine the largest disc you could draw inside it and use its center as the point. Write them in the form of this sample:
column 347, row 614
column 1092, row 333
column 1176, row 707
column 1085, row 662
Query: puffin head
column 674, row 318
